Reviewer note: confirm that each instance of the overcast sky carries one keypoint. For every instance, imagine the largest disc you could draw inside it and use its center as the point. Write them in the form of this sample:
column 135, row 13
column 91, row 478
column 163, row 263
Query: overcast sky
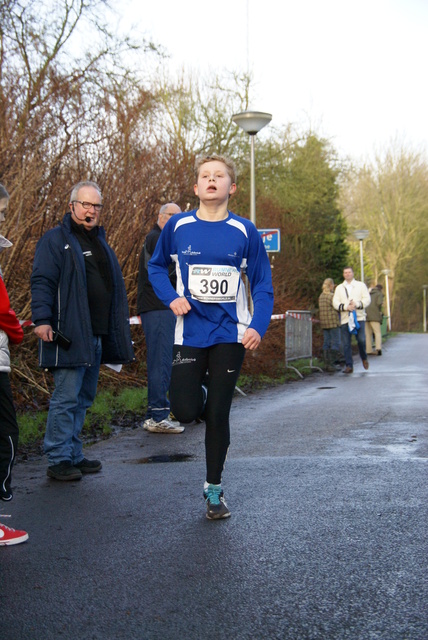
column 353, row 71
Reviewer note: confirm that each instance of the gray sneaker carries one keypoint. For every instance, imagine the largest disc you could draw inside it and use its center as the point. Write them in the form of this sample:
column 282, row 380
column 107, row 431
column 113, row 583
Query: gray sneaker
column 215, row 502
column 164, row 426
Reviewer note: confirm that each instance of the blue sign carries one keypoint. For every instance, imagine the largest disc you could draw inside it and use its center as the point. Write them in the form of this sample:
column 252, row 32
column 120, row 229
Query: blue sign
column 271, row 239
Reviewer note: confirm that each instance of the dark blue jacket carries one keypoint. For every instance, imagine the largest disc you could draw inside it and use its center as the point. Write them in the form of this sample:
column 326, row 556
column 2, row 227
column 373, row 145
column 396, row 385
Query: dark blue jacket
column 147, row 300
column 59, row 298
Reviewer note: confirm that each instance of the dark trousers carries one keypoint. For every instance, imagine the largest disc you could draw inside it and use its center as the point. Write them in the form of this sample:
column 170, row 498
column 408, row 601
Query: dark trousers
column 190, row 365
column 331, row 339
column 347, row 344
column 8, row 434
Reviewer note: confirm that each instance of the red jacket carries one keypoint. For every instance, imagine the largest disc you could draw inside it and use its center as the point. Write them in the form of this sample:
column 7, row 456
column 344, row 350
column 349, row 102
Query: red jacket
column 9, row 323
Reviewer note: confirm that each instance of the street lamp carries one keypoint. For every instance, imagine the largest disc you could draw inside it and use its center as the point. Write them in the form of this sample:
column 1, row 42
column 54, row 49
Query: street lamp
column 361, row 234
column 425, row 287
column 251, row 122
column 386, row 273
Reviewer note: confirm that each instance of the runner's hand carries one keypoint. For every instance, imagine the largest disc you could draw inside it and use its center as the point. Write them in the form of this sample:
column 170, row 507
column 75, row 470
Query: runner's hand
column 251, row 339
column 180, row 306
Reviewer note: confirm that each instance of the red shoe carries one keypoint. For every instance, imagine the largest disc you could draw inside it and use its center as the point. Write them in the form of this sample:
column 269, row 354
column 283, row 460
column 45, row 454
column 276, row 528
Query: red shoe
column 10, row 536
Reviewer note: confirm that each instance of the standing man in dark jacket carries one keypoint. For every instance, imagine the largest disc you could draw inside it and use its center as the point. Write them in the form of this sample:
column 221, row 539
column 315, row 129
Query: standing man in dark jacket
column 80, row 310
column 158, row 322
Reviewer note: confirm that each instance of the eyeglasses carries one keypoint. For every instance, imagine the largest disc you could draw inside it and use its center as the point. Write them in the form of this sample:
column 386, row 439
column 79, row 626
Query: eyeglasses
column 88, row 205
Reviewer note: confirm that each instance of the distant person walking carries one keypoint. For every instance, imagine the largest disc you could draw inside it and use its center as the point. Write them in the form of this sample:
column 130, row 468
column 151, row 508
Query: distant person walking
column 80, row 309
column 374, row 319
column 351, row 299
column 330, row 324
column 158, row 322
column 10, row 331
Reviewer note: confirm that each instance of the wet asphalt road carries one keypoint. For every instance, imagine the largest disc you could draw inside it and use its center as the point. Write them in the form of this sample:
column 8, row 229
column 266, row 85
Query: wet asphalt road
column 327, row 483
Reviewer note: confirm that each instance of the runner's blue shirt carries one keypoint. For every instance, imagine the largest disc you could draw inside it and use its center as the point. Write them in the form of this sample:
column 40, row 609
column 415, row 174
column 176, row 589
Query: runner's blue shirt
column 210, row 258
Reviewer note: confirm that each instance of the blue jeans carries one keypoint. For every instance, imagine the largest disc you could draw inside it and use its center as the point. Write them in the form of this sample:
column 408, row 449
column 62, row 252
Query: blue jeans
column 159, row 328
column 346, row 342
column 331, row 339
column 74, row 393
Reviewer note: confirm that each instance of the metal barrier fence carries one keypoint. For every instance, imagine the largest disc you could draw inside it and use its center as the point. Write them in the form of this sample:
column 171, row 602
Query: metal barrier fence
column 298, row 339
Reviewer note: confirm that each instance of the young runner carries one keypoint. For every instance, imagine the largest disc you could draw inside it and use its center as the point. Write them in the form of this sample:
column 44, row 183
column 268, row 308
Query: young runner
column 211, row 248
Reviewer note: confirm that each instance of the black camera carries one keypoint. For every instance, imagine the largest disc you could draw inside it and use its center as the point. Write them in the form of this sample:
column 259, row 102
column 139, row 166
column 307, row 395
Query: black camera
column 61, row 340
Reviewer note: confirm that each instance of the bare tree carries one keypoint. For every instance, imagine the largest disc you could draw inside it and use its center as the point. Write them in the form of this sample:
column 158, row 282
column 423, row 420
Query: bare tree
column 390, row 199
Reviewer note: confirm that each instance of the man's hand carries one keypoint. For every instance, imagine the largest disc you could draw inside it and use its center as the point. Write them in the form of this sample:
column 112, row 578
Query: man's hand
column 44, row 332
column 351, row 305
column 180, row 306
column 251, row 339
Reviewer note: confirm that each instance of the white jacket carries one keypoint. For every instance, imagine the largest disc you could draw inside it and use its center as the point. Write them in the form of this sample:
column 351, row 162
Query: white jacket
column 358, row 293
column 4, row 352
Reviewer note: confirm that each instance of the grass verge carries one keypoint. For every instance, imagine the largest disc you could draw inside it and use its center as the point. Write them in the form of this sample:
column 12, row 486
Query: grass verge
column 114, row 410
column 111, row 410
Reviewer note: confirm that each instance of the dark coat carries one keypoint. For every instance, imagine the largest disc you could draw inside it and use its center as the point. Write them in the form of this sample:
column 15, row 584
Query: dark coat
column 147, row 300
column 59, row 298
column 374, row 310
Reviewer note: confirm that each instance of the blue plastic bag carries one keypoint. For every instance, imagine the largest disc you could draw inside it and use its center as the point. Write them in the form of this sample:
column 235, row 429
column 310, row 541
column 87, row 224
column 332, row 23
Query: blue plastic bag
column 353, row 324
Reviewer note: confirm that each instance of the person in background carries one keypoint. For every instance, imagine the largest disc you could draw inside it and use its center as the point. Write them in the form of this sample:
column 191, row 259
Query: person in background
column 158, row 322
column 81, row 317
column 351, row 299
column 374, row 320
column 210, row 247
column 330, row 324
column 10, row 331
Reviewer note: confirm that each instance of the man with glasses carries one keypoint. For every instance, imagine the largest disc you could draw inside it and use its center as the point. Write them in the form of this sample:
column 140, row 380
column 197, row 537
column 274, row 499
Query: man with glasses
column 81, row 317
column 158, row 322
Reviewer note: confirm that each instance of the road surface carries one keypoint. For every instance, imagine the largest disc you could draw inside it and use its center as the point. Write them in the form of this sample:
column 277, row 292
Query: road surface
column 327, row 483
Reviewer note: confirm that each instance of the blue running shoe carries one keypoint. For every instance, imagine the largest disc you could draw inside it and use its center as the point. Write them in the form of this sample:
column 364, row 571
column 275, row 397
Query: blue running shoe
column 216, row 504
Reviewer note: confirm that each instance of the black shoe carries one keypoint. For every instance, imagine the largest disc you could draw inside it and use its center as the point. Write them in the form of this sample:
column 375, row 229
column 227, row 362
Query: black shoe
column 64, row 471
column 88, row 466
column 379, row 352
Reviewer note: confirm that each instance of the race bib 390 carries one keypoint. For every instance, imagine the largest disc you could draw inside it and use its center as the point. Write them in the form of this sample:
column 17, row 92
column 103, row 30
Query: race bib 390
column 213, row 283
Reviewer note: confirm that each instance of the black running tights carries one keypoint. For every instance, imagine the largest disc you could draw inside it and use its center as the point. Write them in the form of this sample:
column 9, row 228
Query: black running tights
column 8, row 433
column 217, row 368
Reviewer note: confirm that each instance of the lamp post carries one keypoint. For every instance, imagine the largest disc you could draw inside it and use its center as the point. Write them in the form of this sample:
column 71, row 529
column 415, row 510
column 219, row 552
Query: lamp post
column 361, row 234
column 251, row 122
column 386, row 273
column 425, row 287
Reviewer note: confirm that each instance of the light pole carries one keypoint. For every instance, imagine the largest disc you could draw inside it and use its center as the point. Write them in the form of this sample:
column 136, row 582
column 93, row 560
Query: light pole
column 425, row 287
column 252, row 122
column 361, row 234
column 386, row 273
